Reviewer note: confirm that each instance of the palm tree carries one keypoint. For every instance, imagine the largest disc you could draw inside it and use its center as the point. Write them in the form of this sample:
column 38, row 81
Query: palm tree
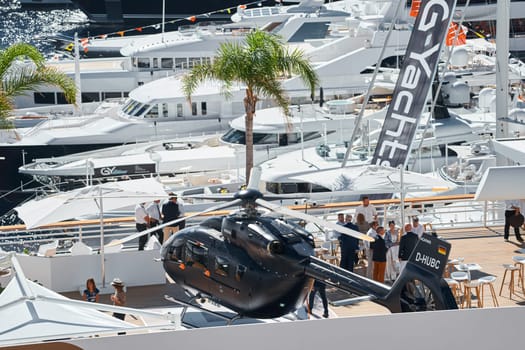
column 258, row 64
column 17, row 78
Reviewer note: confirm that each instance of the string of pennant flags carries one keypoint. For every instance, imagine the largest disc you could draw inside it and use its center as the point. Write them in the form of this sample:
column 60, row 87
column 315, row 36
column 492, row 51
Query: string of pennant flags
column 84, row 42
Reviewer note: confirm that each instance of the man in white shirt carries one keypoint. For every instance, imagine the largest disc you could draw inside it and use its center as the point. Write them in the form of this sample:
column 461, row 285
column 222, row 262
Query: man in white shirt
column 514, row 218
column 153, row 211
column 369, row 252
column 417, row 228
column 367, row 209
column 141, row 223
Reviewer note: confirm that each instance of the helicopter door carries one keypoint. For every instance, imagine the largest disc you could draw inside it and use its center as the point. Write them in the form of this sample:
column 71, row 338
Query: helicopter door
column 197, row 262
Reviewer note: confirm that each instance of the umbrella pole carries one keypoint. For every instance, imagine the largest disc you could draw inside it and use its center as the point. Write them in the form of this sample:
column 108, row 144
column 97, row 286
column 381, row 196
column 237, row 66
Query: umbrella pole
column 102, row 261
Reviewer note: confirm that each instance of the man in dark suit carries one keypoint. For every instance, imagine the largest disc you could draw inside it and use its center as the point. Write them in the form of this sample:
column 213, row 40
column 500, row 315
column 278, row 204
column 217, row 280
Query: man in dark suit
column 349, row 246
column 406, row 245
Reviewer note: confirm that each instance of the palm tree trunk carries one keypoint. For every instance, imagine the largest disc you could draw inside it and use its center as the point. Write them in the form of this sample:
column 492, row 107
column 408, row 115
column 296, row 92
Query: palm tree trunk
column 249, row 105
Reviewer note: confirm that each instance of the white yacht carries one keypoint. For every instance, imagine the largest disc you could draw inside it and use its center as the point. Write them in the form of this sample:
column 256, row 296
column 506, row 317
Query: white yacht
column 274, row 133
column 151, row 57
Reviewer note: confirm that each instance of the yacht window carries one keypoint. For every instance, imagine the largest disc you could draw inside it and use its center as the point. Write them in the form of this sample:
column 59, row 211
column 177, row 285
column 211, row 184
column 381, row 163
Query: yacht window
column 206, row 60
column 222, row 265
column 165, row 110
column 166, row 63
column 44, row 97
column 135, row 108
column 134, row 62
column 143, row 62
column 128, row 106
column 90, row 97
column 179, row 109
column 153, row 112
column 181, row 62
column 143, row 108
column 125, row 94
column 194, row 61
column 203, row 108
column 193, row 108
column 61, row 98
column 106, row 95
column 155, row 62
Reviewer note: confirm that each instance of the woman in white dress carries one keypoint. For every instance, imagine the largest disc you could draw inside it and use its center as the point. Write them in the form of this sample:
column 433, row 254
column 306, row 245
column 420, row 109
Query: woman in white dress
column 392, row 244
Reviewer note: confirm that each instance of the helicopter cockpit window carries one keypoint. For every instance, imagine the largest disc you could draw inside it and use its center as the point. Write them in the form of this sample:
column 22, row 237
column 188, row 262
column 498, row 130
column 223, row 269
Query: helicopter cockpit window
column 196, row 255
column 222, row 266
column 177, row 253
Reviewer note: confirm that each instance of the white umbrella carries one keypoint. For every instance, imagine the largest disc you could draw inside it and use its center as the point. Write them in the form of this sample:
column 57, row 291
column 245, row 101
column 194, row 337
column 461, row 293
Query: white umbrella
column 90, row 200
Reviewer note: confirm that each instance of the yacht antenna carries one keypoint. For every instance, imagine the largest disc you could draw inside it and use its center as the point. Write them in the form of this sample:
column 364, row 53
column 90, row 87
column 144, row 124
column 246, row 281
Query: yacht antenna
column 163, row 17
column 78, row 95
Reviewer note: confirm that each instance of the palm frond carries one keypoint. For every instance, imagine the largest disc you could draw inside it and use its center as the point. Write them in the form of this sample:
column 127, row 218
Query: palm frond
column 5, row 107
column 26, row 78
column 19, row 51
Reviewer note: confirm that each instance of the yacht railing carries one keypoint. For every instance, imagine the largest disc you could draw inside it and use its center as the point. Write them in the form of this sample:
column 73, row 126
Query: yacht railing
column 435, row 213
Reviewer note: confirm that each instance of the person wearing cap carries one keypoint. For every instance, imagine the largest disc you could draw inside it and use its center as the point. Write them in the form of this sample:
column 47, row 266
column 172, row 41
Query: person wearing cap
column 367, row 209
column 416, row 227
column 119, row 297
column 170, row 211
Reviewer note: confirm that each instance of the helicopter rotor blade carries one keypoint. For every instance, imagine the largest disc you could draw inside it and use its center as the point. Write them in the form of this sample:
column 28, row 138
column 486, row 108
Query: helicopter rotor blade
column 255, row 176
column 212, row 197
column 153, row 229
column 315, row 220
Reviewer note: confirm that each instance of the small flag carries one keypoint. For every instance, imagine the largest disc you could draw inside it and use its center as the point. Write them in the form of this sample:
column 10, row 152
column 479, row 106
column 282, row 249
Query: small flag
column 138, row 29
column 69, row 47
column 103, row 36
column 229, row 11
column 452, row 39
column 414, row 8
column 121, row 33
column 192, row 19
column 442, row 250
column 84, row 42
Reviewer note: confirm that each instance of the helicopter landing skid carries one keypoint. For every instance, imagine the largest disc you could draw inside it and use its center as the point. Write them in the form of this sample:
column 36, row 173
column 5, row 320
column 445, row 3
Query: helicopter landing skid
column 191, row 303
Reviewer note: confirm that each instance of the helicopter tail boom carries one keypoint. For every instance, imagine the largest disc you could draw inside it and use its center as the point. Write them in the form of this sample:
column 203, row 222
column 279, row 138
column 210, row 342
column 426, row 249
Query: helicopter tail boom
column 419, row 287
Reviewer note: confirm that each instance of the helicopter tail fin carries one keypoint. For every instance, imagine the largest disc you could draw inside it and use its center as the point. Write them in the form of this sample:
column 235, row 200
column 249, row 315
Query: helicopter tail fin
column 420, row 285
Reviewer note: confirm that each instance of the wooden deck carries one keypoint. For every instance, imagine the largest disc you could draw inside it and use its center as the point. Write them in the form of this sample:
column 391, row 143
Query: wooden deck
column 476, row 245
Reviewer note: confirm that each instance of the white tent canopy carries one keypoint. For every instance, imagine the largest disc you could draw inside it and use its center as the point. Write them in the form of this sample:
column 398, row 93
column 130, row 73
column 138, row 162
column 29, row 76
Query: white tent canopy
column 502, row 183
column 26, row 314
column 87, row 201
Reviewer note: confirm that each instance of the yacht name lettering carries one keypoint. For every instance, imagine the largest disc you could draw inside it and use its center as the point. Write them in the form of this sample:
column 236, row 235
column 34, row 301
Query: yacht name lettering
column 107, row 170
column 428, row 260
column 412, row 87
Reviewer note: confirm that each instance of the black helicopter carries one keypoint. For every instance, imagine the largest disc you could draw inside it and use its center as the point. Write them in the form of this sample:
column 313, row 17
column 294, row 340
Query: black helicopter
column 262, row 266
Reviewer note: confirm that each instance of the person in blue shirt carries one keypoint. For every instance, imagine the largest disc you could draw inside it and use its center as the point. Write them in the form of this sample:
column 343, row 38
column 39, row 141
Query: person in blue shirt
column 91, row 293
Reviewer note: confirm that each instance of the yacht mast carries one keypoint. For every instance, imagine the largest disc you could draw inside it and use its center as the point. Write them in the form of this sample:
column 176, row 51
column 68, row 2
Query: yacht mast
column 502, row 70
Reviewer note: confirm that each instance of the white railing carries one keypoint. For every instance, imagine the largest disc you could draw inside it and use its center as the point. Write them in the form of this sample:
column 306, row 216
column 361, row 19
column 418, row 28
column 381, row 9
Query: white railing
column 443, row 212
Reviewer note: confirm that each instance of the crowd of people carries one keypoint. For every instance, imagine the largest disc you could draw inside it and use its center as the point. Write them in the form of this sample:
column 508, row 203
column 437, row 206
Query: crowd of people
column 387, row 255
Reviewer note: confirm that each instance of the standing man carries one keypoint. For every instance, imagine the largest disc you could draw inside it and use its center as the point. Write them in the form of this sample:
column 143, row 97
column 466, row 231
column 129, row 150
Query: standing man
column 367, row 209
column 416, row 227
column 406, row 246
column 349, row 247
column 153, row 211
column 379, row 255
column 170, row 212
column 369, row 251
column 513, row 218
column 141, row 223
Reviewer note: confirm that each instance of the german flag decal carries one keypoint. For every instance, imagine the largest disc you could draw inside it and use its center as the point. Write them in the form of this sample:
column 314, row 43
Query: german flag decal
column 442, row 250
